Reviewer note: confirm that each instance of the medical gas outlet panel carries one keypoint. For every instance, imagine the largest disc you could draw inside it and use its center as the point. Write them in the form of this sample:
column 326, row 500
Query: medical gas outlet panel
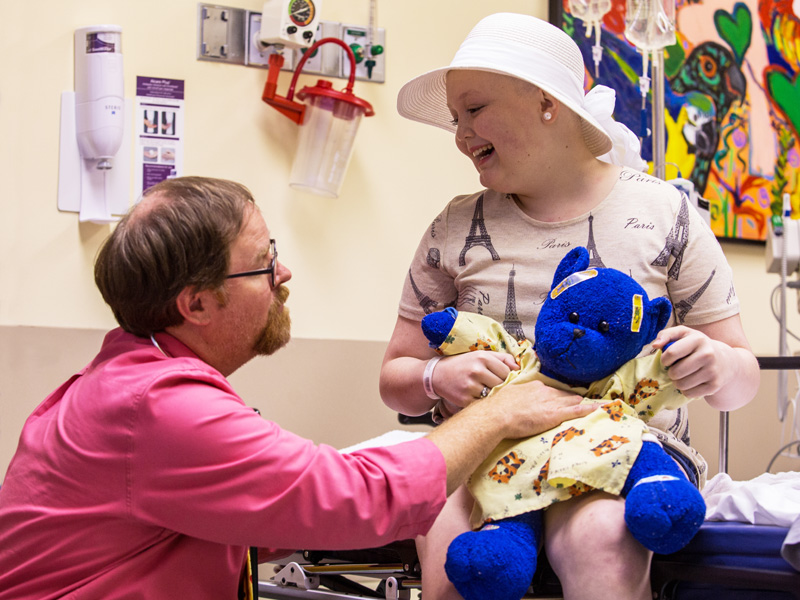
column 244, row 37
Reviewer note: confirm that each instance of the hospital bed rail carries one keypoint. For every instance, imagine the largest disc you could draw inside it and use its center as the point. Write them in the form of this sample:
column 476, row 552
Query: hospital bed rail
column 389, row 572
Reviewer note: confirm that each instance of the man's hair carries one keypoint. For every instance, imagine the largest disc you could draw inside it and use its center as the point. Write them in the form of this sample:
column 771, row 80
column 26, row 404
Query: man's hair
column 180, row 238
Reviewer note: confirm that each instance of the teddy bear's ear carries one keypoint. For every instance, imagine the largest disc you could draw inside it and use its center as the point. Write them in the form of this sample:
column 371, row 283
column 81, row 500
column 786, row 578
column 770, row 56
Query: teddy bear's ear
column 576, row 260
column 660, row 310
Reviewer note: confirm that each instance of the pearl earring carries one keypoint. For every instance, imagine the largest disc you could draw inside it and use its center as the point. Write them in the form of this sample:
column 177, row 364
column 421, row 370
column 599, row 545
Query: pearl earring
column 547, row 116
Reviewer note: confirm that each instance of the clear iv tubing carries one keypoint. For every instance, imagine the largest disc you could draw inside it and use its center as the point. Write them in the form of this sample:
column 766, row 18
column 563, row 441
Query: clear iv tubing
column 591, row 12
column 597, row 49
column 649, row 27
column 644, row 88
column 373, row 9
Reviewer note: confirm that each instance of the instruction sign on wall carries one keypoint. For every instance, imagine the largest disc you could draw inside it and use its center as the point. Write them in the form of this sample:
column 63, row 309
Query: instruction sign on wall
column 158, row 129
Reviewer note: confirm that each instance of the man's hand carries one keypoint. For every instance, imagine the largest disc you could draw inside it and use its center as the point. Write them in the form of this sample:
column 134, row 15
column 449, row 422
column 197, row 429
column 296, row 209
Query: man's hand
column 514, row 411
column 533, row 407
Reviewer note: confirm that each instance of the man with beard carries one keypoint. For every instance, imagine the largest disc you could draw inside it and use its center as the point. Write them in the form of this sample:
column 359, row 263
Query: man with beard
column 146, row 476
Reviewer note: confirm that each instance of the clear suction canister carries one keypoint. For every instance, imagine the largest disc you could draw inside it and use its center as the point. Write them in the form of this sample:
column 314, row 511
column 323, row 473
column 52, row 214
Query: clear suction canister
column 325, row 142
column 328, row 122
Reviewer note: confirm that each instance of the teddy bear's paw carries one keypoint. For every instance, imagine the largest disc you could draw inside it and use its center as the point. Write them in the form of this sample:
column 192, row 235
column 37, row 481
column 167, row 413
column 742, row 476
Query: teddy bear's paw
column 437, row 325
column 495, row 563
column 663, row 512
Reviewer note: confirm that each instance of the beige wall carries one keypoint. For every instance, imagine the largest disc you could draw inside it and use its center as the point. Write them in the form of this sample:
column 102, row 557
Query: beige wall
column 349, row 255
column 336, row 404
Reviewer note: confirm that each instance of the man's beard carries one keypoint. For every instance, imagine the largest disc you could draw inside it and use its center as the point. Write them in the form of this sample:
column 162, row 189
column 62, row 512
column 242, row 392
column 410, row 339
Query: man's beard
column 278, row 330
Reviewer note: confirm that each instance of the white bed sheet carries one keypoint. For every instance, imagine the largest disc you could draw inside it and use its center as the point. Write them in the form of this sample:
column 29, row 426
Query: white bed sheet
column 769, row 499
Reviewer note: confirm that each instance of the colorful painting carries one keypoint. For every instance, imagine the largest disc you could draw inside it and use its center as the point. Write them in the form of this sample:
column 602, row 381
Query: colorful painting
column 732, row 102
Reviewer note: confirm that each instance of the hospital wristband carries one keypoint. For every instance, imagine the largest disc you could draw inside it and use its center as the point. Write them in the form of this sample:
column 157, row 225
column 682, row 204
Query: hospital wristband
column 427, row 378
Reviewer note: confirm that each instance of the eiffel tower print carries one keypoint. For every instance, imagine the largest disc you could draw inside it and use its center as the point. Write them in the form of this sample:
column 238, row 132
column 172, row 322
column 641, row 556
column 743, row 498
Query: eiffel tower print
column 594, row 256
column 427, row 303
column 434, row 258
column 512, row 324
column 683, row 307
column 676, row 242
column 477, row 239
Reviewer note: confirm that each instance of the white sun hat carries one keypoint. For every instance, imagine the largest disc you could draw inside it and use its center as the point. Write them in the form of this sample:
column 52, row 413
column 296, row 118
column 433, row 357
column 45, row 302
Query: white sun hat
column 535, row 51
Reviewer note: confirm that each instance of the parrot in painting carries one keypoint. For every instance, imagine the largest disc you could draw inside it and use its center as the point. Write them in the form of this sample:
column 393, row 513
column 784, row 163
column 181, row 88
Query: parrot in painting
column 709, row 81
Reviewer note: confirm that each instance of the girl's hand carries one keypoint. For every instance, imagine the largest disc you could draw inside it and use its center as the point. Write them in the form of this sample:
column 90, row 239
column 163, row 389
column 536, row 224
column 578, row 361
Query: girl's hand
column 461, row 379
column 699, row 365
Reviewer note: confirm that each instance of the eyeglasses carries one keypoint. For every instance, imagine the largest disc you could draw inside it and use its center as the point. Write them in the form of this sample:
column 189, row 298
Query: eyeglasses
column 269, row 270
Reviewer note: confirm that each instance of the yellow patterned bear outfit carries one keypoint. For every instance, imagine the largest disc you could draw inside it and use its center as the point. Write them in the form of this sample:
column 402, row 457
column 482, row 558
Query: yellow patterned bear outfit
column 593, row 452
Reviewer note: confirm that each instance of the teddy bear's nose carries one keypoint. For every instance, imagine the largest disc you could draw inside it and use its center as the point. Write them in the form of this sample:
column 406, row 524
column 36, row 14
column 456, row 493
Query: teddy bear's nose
column 577, row 333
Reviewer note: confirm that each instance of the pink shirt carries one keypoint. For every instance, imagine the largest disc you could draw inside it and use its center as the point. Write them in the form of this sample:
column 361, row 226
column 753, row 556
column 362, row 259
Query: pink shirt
column 147, row 477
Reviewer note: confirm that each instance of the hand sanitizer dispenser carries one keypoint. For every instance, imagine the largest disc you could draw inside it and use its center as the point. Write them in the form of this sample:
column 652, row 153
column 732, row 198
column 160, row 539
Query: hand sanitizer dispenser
column 94, row 173
column 99, row 93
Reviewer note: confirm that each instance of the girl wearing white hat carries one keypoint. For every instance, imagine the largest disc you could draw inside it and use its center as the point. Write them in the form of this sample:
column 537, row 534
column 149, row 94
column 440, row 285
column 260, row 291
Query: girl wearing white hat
column 559, row 172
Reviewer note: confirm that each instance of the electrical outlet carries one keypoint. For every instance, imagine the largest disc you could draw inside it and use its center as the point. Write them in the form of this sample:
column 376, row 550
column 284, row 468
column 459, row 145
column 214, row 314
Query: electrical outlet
column 258, row 53
column 370, row 67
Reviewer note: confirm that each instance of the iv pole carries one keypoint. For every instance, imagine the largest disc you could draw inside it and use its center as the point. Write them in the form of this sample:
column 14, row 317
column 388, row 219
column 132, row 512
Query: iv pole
column 659, row 127
column 660, row 171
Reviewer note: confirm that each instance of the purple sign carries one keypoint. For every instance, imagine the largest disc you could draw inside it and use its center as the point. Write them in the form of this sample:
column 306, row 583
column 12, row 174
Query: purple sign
column 155, row 87
column 154, row 174
column 159, row 127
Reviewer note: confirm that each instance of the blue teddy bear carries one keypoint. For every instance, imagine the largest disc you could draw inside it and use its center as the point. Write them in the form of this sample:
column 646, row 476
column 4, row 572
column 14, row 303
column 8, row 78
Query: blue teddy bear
column 589, row 332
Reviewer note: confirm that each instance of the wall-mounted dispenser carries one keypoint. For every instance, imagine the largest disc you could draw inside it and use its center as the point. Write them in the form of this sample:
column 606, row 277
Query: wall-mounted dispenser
column 94, row 161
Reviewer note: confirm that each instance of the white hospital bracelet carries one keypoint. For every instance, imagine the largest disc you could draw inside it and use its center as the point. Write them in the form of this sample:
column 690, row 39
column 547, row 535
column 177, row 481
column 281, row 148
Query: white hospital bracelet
column 427, row 378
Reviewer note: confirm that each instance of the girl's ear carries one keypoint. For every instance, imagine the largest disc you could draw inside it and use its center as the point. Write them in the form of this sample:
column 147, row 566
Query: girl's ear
column 549, row 104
